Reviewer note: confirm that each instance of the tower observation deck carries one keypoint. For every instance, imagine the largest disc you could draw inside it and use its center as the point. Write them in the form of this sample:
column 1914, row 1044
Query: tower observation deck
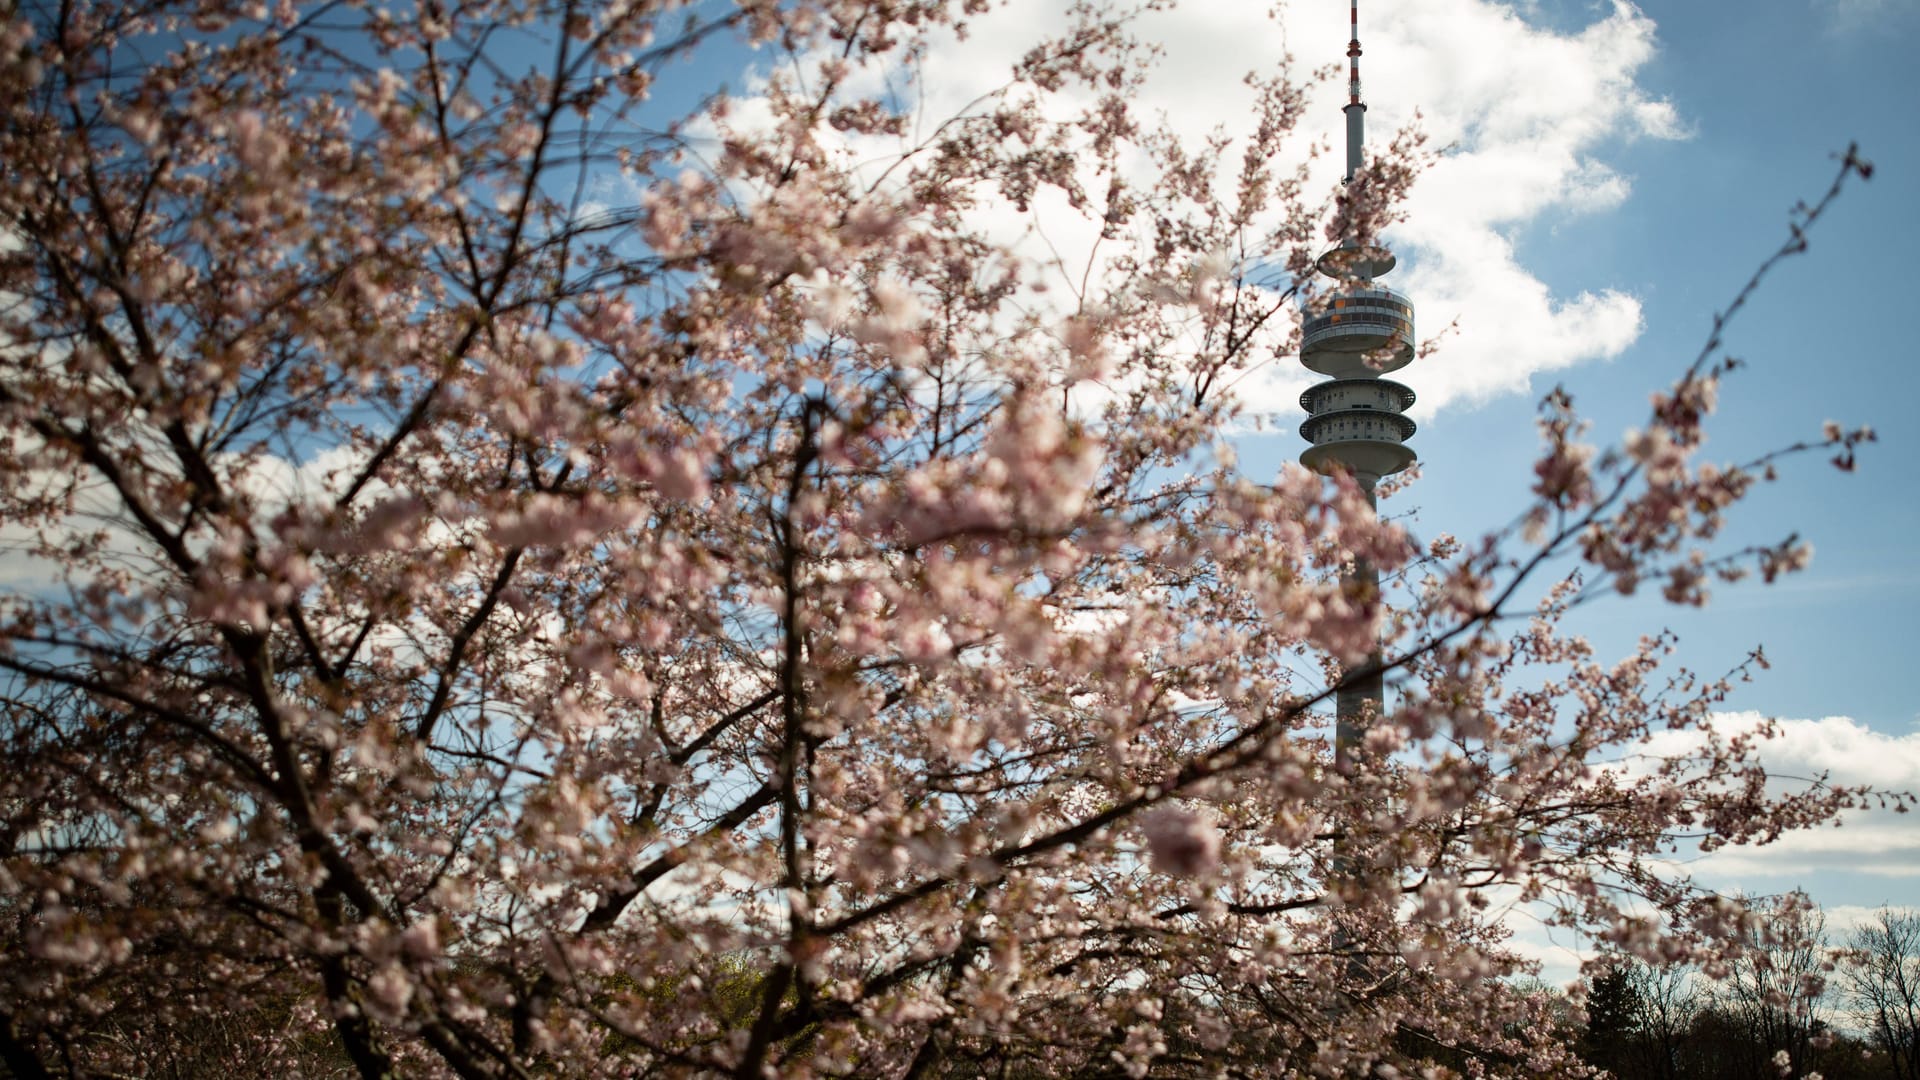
column 1358, row 421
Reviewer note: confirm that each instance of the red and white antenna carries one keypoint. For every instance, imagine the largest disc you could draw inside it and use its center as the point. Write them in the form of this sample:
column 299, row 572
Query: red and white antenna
column 1356, row 110
column 1353, row 58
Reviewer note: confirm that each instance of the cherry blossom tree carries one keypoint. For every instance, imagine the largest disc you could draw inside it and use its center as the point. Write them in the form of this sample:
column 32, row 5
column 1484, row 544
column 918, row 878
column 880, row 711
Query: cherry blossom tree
column 523, row 567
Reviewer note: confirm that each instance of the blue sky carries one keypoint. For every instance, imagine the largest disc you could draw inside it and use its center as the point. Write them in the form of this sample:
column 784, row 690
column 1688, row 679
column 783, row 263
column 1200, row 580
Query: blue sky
column 1763, row 94
column 1764, row 98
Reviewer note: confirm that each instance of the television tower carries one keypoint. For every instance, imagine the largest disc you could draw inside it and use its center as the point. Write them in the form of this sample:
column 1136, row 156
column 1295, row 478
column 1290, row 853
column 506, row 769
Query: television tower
column 1358, row 421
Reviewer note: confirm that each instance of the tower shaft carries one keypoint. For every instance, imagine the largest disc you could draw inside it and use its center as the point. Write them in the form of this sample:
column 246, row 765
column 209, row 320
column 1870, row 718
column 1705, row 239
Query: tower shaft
column 1363, row 687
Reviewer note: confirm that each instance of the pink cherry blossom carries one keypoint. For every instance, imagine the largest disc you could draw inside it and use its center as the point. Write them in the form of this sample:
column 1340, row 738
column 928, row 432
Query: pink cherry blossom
column 1181, row 842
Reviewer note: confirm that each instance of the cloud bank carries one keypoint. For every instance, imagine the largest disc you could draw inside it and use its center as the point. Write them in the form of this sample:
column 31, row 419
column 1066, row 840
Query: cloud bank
column 1871, row 861
column 1877, row 851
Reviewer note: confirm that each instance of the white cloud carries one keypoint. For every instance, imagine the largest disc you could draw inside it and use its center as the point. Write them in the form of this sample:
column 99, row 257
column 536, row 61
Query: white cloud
column 1876, row 844
column 272, row 482
column 1853, row 16
column 1859, row 846
column 1558, row 952
column 1522, row 112
column 1526, row 111
column 1848, row 751
column 1525, row 114
column 1843, row 919
column 24, row 567
column 1871, row 860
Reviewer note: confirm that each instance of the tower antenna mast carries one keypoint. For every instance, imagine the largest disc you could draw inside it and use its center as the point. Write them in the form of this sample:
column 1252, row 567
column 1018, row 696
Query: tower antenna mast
column 1357, row 422
column 1356, row 109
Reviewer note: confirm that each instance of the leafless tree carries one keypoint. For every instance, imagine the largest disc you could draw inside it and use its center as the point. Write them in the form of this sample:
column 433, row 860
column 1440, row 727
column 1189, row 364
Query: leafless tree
column 1773, row 995
column 1880, row 979
column 1667, row 1002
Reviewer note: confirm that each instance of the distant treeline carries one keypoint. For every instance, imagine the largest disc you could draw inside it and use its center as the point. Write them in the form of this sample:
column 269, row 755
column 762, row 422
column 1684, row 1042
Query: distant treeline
column 1798, row 1002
